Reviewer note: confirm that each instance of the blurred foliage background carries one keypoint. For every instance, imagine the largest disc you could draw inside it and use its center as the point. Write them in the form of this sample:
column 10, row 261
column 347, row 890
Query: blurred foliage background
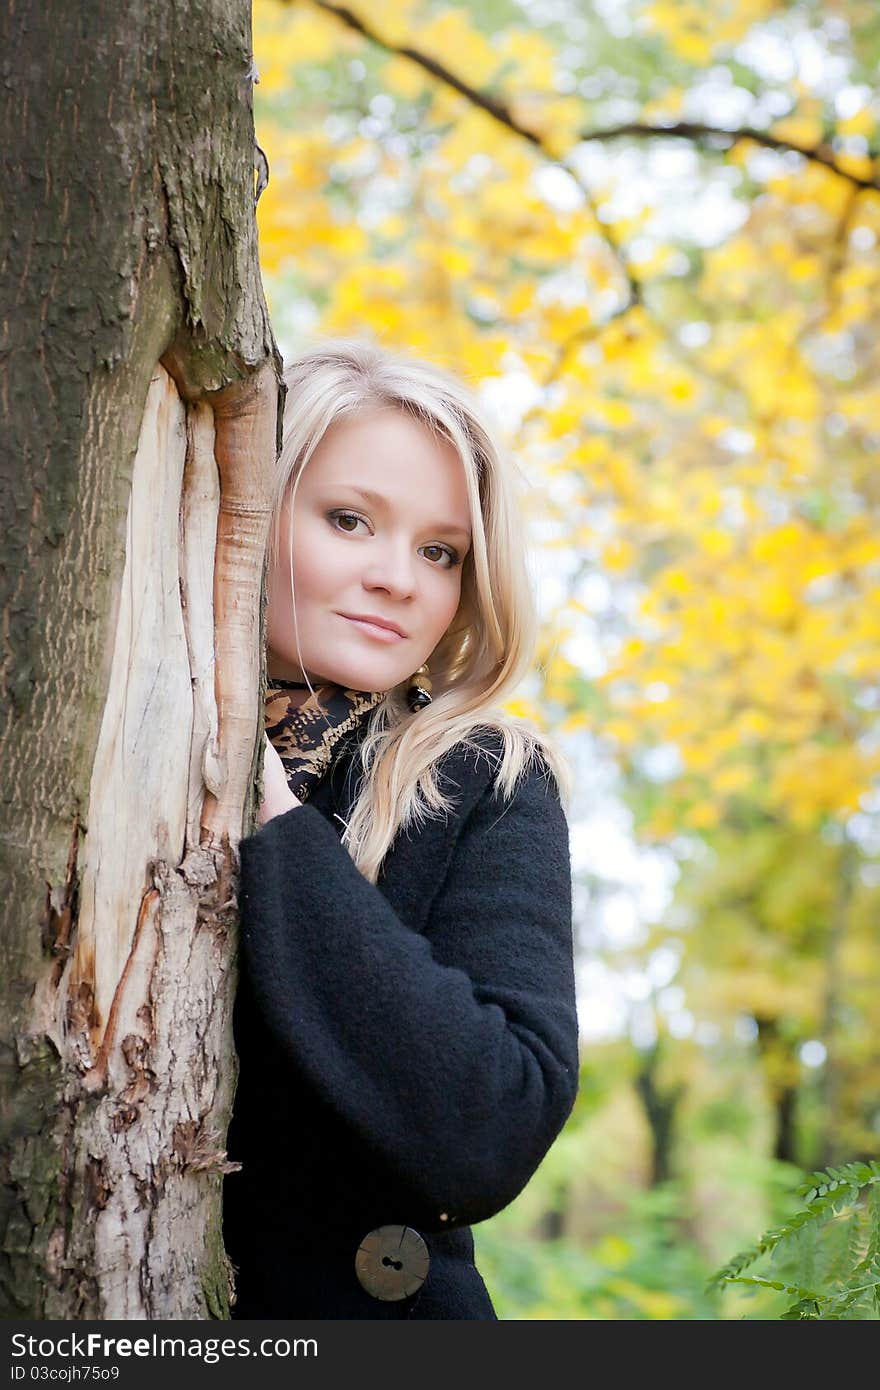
column 647, row 232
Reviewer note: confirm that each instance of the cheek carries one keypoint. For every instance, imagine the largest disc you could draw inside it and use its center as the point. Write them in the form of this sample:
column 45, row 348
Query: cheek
column 312, row 574
column 282, row 590
column 445, row 602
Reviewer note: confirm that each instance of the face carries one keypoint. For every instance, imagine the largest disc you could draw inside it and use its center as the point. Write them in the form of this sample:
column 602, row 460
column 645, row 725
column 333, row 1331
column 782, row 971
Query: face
column 381, row 525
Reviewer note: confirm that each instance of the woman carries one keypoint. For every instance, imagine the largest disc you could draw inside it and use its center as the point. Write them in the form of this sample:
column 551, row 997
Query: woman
column 405, row 1020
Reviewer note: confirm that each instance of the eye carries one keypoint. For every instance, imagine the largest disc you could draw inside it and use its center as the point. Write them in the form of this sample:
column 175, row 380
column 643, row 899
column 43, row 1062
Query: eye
column 346, row 516
column 338, row 516
column 446, row 550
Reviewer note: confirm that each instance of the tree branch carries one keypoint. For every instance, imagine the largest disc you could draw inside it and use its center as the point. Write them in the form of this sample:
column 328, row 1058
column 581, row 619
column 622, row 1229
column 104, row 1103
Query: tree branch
column 695, row 131
column 499, row 112
column 699, row 133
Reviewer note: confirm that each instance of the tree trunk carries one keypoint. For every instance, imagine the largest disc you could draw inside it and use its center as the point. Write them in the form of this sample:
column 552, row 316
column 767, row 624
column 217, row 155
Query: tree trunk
column 778, row 1065
column 661, row 1106
column 833, row 1027
column 139, row 394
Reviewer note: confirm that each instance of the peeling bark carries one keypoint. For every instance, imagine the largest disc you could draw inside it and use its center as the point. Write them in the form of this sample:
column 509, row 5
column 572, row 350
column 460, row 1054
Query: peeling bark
column 140, row 393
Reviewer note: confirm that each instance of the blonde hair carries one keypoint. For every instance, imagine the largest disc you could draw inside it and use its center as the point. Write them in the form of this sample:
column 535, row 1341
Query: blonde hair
column 489, row 646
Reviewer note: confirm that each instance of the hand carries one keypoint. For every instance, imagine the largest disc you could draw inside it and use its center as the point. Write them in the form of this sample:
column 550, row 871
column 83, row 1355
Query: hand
column 277, row 796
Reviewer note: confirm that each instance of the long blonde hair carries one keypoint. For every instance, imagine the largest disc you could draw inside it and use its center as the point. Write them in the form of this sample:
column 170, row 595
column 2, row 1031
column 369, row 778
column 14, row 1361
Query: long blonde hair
column 490, row 644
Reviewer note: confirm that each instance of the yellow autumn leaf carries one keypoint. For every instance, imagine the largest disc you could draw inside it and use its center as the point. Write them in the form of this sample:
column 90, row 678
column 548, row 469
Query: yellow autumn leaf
column 732, row 779
column 860, row 166
column 804, row 267
column 668, row 106
column 694, row 48
column 523, row 708
column 713, row 425
column 861, row 122
column 697, row 757
column 680, row 389
column 450, row 37
column 655, row 1303
column 398, row 18
column 703, row 815
column 803, row 130
column 531, row 57
column 618, row 556
column 579, row 719
column 404, row 78
column 753, row 724
column 620, row 730
column 775, row 603
column 296, row 36
column 662, row 823
column 615, row 413
column 716, row 542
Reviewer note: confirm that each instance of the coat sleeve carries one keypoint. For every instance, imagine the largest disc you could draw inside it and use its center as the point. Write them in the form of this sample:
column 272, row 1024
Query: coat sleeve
column 453, row 1054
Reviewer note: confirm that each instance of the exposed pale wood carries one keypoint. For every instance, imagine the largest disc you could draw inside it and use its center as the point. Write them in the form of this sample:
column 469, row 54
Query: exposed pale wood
column 137, row 797
column 201, row 505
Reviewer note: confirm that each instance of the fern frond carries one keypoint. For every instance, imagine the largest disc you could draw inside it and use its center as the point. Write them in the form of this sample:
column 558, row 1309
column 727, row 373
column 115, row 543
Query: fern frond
column 828, row 1180
column 873, row 1251
column 810, row 1303
column 839, row 1306
column 794, row 1289
column 826, row 1191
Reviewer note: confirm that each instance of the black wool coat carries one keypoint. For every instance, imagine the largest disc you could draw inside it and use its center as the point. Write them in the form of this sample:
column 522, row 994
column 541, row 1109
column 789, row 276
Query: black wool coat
column 408, row 1050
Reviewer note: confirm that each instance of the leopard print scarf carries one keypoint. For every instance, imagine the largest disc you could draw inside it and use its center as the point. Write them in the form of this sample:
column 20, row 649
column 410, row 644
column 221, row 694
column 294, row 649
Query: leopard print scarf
column 305, row 736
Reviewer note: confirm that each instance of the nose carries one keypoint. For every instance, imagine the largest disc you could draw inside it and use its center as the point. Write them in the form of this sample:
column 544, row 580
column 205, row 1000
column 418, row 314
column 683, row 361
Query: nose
column 391, row 568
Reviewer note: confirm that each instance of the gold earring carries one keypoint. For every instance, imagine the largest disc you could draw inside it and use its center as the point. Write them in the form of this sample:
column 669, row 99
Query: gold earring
column 418, row 694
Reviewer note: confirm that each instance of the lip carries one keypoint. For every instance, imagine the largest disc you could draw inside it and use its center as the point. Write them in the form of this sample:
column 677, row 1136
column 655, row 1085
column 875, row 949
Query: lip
column 380, row 628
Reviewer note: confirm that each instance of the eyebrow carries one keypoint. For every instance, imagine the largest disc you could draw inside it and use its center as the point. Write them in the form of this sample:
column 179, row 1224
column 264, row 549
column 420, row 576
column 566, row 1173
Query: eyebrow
column 378, row 500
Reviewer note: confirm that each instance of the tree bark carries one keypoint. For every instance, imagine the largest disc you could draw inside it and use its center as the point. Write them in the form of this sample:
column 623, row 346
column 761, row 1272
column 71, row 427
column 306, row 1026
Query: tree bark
column 777, row 1062
column 140, row 398
column 831, row 1150
column 661, row 1106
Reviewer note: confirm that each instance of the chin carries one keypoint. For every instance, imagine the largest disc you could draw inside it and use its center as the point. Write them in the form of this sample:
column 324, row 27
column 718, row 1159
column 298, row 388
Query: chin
column 361, row 678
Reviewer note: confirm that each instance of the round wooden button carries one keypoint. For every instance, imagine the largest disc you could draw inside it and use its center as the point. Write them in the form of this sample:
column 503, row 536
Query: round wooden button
column 392, row 1262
